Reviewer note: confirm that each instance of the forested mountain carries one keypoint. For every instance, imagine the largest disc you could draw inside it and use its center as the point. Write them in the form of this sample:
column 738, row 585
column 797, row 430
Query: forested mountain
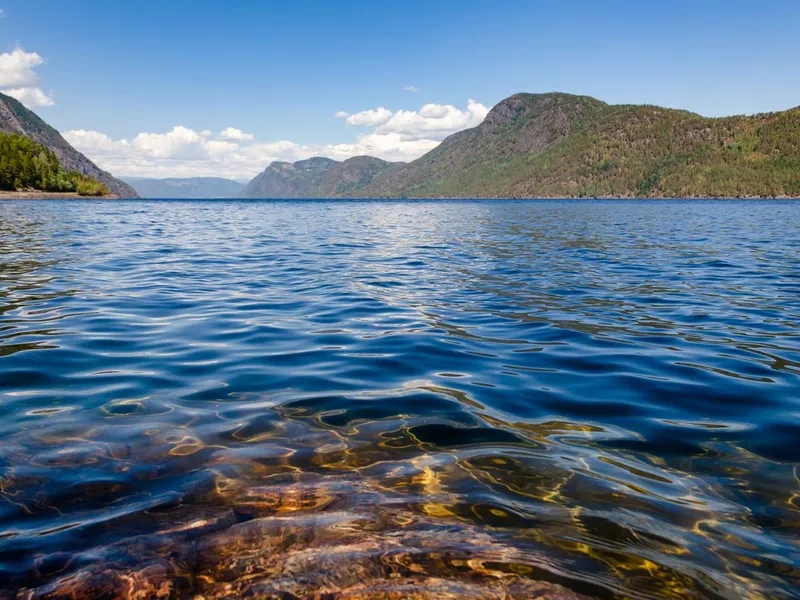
column 560, row 145
column 317, row 178
column 16, row 119
column 554, row 145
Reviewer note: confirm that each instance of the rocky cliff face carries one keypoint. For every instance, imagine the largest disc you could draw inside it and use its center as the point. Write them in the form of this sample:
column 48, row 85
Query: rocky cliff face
column 15, row 118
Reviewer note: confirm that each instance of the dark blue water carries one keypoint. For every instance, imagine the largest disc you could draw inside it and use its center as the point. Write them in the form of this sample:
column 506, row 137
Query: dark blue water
column 609, row 389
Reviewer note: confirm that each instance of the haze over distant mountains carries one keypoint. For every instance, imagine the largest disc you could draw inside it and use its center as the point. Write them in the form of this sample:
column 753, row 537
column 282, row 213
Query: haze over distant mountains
column 185, row 187
column 560, row 145
column 16, row 119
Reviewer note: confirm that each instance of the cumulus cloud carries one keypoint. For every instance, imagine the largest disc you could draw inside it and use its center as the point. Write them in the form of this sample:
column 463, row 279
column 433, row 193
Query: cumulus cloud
column 19, row 80
column 218, row 147
column 231, row 133
column 370, row 118
column 408, row 134
column 434, row 121
column 16, row 68
column 342, row 114
column 30, row 97
column 182, row 152
column 2, row 13
column 411, row 88
column 94, row 142
column 181, row 142
column 388, row 146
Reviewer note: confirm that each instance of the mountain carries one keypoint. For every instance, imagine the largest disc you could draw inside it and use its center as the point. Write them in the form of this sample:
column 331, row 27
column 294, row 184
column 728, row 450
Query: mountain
column 16, row 119
column 317, row 178
column 560, row 145
column 189, row 187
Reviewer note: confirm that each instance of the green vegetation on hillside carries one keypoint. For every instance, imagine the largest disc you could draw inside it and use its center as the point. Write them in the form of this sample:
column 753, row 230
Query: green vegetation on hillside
column 558, row 145
column 18, row 120
column 317, row 178
column 24, row 164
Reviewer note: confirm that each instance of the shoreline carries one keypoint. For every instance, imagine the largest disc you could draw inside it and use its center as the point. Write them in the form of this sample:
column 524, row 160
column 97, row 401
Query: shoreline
column 34, row 195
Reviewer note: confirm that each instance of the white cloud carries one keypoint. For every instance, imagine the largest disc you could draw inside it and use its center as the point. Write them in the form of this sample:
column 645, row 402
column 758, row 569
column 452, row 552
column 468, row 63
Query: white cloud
column 2, row 13
column 231, row 133
column 217, row 148
column 342, row 114
column 388, row 146
column 408, row 134
column 182, row 152
column 411, row 88
column 370, row 118
column 16, row 68
column 434, row 121
column 30, row 97
column 181, row 142
column 94, row 142
column 18, row 79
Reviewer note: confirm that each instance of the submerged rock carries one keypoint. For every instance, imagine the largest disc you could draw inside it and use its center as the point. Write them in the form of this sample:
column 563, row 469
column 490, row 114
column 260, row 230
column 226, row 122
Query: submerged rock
column 324, row 540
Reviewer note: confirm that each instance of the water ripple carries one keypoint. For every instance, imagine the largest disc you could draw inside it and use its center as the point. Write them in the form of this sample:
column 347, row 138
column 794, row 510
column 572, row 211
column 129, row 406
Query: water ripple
column 604, row 395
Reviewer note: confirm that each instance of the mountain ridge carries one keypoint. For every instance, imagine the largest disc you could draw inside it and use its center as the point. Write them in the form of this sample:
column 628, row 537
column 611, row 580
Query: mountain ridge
column 317, row 177
column 16, row 119
column 558, row 145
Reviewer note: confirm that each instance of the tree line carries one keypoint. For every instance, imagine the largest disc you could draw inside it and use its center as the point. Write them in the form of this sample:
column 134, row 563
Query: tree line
column 26, row 165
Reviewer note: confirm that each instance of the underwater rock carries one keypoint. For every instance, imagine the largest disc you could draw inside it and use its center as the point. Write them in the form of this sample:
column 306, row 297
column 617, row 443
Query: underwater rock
column 299, row 541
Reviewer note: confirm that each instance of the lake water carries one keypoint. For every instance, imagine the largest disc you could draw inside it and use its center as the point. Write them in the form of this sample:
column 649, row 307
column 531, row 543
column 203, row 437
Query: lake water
column 603, row 395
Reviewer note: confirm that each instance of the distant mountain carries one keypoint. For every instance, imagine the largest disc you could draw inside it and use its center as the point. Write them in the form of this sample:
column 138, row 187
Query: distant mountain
column 317, row 178
column 560, row 145
column 189, row 187
column 16, row 119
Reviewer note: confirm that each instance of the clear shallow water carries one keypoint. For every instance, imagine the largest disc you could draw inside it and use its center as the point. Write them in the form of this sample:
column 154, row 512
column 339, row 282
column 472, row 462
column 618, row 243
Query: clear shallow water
column 606, row 394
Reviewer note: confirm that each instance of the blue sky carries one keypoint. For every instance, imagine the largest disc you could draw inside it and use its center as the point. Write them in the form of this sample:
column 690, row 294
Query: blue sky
column 279, row 71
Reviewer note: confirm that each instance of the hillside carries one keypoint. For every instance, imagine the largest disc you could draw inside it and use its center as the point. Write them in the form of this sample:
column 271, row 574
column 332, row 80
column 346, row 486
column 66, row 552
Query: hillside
column 188, row 187
column 317, row 178
column 560, row 145
column 16, row 119
column 26, row 165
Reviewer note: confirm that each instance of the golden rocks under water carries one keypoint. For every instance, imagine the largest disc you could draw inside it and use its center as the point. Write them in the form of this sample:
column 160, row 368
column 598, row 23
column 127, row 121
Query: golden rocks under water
column 300, row 509
column 299, row 541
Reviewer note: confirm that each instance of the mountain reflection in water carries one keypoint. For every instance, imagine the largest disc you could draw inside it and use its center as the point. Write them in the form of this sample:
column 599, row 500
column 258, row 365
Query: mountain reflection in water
column 313, row 399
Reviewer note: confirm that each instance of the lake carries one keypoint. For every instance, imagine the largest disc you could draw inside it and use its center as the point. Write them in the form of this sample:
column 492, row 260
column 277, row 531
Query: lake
column 219, row 398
